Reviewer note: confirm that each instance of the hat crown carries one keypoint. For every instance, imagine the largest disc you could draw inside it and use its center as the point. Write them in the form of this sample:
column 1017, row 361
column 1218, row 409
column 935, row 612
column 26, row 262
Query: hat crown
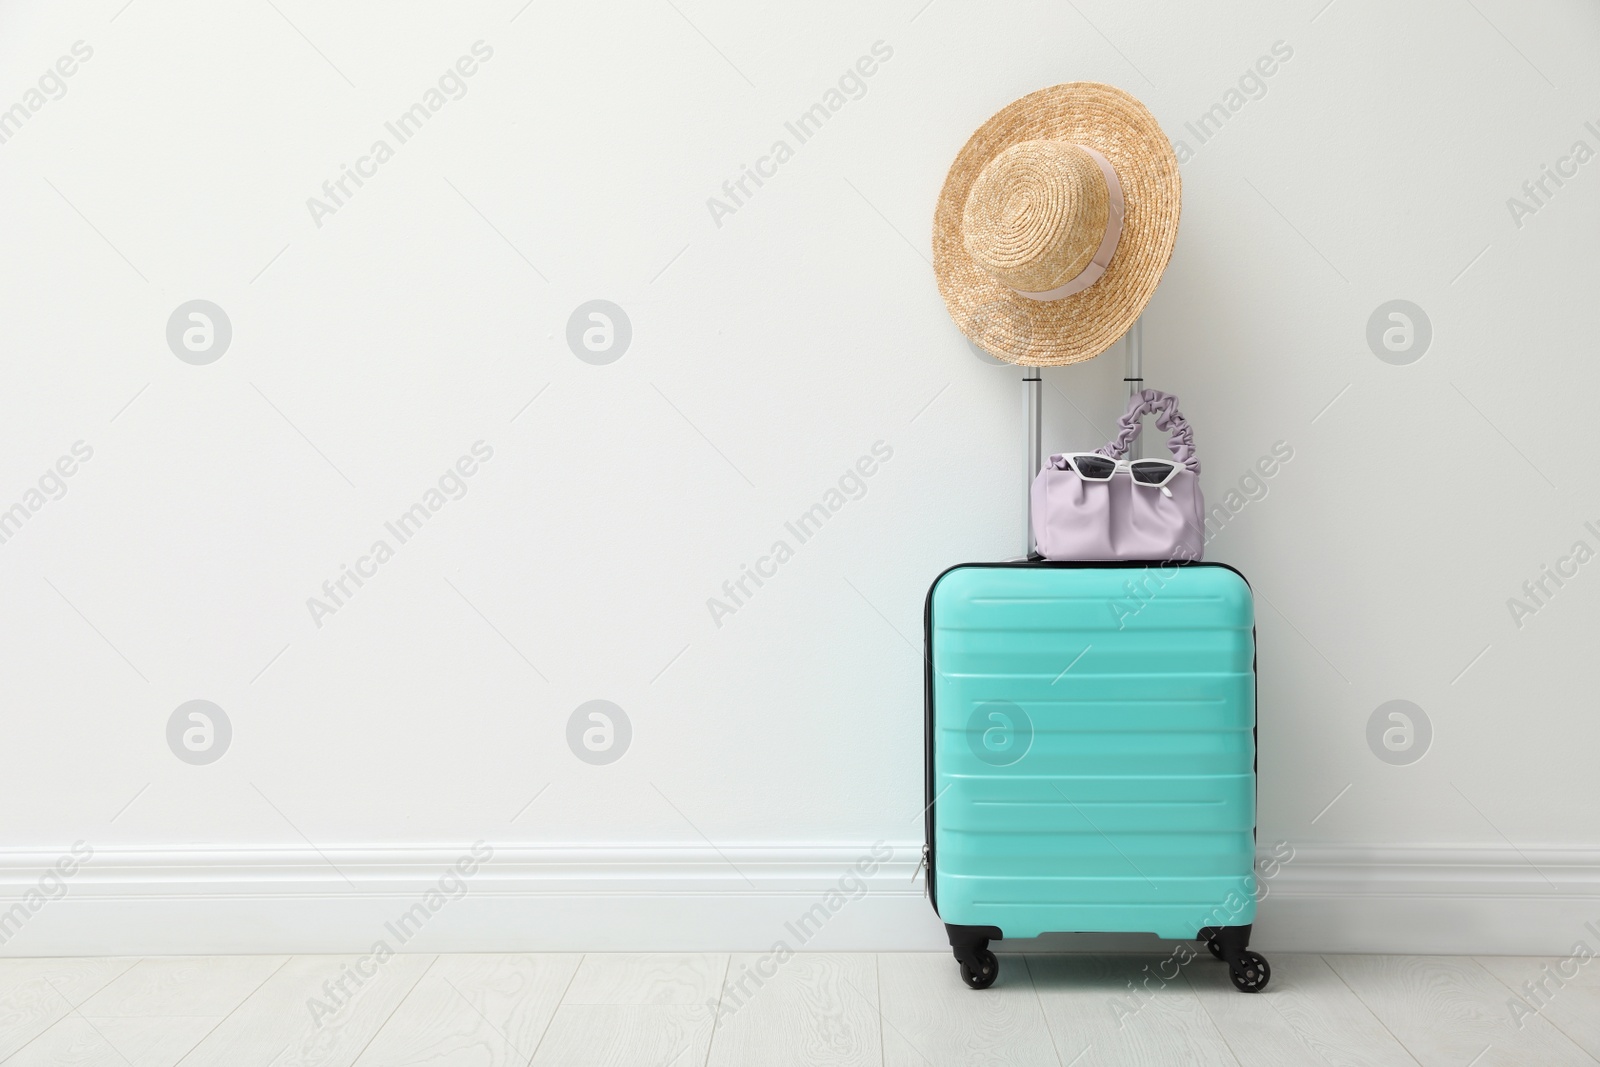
column 1036, row 214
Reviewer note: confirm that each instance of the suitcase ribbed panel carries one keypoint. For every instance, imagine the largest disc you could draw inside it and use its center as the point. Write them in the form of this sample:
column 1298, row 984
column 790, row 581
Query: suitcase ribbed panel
column 1132, row 807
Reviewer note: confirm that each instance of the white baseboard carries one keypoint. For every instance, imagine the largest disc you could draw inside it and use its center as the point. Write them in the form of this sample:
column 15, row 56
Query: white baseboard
column 557, row 898
column 737, row 898
column 1494, row 900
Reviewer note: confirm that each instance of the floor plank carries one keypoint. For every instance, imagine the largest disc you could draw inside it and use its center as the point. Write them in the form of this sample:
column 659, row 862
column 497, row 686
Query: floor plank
column 1306, row 1015
column 636, row 1008
column 130, row 1041
column 894, row 1009
column 475, row 1011
column 182, row 985
column 931, row 1018
column 278, row 1025
column 1449, row 1011
column 1126, row 1010
column 626, row 1035
column 813, row 1008
column 647, row 978
column 153, row 1013
column 35, row 994
column 1572, row 1004
column 69, row 1041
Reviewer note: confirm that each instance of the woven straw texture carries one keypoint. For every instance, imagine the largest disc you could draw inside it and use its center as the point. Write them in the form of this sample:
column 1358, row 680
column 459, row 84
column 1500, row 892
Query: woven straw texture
column 1078, row 327
column 1035, row 214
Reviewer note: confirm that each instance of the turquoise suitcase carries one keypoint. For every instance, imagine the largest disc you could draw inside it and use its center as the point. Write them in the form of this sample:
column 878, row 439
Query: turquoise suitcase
column 1091, row 756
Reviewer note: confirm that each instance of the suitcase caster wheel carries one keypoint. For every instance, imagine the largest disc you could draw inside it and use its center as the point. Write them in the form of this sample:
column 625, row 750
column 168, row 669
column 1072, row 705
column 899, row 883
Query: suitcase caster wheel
column 1209, row 935
column 1216, row 949
column 1250, row 972
column 988, row 969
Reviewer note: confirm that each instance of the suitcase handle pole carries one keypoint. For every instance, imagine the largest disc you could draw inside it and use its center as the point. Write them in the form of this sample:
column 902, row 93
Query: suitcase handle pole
column 1133, row 348
column 1033, row 398
column 1033, row 386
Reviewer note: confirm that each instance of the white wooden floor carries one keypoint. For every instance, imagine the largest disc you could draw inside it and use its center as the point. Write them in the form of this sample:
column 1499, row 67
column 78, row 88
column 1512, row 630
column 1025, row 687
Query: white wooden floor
column 886, row 1009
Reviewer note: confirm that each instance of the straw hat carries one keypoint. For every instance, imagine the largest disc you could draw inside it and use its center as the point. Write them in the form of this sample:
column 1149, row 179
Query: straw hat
column 1055, row 223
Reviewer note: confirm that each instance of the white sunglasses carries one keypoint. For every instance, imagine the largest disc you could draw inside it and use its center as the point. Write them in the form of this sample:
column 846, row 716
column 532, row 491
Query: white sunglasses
column 1093, row 467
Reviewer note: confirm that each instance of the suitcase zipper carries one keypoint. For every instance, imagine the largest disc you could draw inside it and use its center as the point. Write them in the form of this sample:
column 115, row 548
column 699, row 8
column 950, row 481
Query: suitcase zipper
column 920, row 867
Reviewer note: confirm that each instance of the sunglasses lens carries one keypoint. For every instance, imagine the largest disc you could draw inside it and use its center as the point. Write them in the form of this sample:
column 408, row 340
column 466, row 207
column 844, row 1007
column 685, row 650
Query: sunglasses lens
column 1098, row 468
column 1152, row 471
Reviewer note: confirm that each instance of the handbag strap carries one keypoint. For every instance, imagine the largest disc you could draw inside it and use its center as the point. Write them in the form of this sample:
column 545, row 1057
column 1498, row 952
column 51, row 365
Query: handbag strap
column 1165, row 407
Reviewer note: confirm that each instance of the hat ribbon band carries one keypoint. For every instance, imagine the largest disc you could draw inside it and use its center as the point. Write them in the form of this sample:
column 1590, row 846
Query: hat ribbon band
column 1096, row 267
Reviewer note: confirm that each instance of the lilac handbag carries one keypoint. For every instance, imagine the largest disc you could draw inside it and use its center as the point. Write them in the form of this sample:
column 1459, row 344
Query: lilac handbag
column 1075, row 518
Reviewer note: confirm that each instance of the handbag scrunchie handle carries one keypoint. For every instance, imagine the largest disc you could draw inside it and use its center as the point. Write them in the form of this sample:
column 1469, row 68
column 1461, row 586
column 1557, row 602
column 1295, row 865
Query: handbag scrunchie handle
column 1165, row 407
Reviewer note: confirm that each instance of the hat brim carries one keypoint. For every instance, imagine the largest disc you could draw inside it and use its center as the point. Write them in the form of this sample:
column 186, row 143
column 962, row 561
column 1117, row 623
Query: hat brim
column 1078, row 327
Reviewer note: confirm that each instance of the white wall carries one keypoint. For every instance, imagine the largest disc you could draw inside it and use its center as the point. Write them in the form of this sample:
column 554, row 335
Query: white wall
column 768, row 353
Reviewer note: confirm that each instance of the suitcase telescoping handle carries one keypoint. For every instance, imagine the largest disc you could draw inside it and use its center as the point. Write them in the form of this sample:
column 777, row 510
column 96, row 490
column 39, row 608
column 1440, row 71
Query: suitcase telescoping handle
column 1133, row 374
column 1033, row 386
